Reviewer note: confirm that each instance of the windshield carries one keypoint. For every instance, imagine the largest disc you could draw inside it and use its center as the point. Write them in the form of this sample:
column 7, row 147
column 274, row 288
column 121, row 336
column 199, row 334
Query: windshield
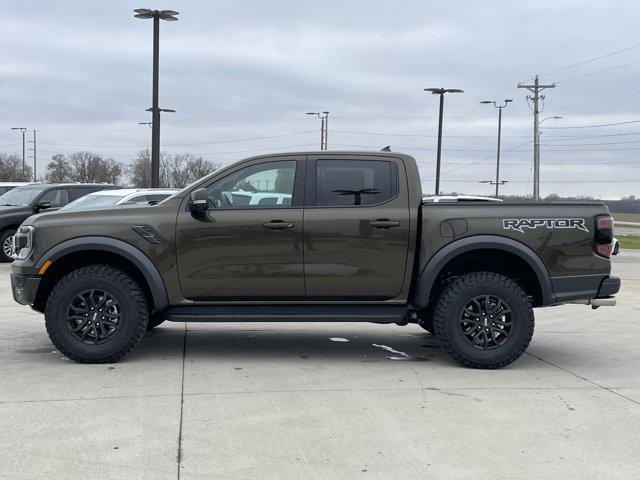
column 93, row 201
column 21, row 196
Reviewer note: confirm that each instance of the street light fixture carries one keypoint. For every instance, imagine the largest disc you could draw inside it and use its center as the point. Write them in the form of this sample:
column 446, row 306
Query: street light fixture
column 441, row 92
column 497, row 182
column 23, row 130
column 156, row 15
column 324, row 127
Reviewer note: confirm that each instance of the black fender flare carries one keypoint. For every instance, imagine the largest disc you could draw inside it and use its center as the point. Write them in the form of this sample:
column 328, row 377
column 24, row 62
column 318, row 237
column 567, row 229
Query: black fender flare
column 424, row 283
column 125, row 250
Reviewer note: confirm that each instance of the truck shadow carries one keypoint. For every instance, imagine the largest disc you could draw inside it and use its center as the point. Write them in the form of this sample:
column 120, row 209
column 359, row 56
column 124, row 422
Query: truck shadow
column 301, row 343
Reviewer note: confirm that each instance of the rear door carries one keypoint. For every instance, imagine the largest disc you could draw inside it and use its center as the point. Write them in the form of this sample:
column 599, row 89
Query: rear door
column 356, row 227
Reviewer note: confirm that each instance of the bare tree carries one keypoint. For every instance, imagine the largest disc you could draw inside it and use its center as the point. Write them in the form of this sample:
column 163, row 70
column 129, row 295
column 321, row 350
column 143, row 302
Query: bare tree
column 89, row 167
column 58, row 169
column 11, row 168
column 198, row 167
column 176, row 171
column 139, row 171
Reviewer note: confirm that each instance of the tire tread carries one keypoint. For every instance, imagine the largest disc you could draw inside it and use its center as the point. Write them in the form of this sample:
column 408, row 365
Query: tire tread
column 443, row 314
column 136, row 295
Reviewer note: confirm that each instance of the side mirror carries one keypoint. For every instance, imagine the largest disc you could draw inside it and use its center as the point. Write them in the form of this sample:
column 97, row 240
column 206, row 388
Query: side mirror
column 43, row 205
column 199, row 202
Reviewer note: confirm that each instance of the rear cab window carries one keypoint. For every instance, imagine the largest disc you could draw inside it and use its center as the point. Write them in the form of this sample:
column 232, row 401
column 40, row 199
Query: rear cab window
column 348, row 183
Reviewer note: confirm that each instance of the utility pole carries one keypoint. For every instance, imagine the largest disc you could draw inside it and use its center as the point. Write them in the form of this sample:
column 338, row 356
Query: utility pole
column 34, row 150
column 156, row 15
column 536, row 88
column 499, row 107
column 441, row 92
column 23, row 130
column 324, row 128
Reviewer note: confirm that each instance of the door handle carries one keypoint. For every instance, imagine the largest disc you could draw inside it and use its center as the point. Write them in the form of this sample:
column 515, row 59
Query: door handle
column 278, row 225
column 383, row 223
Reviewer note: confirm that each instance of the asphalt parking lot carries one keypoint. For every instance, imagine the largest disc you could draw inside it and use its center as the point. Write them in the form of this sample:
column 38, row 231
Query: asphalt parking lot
column 326, row 401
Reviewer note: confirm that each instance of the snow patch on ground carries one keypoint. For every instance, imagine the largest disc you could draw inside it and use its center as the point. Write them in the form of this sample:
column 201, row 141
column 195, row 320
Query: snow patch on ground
column 403, row 356
column 338, row 339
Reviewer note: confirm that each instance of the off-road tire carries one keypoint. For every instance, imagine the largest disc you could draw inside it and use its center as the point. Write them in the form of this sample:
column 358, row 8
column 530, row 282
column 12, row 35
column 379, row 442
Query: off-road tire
column 135, row 314
column 3, row 238
column 449, row 307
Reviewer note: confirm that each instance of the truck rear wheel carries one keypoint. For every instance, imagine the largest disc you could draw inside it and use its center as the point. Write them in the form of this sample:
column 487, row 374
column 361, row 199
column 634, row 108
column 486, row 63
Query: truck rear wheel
column 96, row 314
column 484, row 320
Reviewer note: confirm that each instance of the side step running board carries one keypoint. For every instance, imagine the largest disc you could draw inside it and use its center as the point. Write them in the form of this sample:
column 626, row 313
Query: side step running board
column 288, row 313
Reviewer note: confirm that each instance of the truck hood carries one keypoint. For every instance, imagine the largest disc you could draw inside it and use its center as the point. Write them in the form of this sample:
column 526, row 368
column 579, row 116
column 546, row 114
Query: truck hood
column 83, row 217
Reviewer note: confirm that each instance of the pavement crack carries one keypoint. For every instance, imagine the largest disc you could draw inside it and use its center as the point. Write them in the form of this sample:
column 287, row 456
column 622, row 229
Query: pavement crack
column 184, row 355
column 584, row 378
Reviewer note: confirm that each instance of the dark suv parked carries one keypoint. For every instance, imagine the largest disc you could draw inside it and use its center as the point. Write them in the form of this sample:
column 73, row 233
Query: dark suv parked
column 20, row 203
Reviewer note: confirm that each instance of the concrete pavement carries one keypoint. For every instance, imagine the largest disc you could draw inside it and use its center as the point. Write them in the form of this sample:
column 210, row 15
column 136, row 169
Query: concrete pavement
column 296, row 401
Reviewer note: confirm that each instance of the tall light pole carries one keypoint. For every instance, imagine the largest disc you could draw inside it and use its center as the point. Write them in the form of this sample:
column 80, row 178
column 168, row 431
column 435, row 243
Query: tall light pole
column 324, row 128
column 499, row 107
column 156, row 15
column 23, row 130
column 441, row 92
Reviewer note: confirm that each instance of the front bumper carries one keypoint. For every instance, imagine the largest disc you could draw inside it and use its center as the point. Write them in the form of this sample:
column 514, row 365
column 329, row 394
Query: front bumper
column 24, row 288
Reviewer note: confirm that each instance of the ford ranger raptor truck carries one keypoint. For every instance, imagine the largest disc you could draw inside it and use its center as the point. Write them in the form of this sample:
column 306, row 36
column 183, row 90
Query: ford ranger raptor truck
column 316, row 236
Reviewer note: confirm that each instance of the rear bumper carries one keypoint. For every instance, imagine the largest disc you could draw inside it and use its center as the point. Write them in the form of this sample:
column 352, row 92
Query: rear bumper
column 584, row 287
column 609, row 286
column 24, row 288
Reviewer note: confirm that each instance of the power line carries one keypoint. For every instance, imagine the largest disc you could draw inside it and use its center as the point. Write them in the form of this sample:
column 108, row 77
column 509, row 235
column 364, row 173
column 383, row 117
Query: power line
column 611, row 99
column 180, row 144
column 615, row 67
column 594, row 126
column 584, row 62
column 488, row 158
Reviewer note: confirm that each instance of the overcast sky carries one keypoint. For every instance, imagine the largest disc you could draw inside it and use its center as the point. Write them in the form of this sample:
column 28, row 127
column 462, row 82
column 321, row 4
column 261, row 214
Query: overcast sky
column 80, row 73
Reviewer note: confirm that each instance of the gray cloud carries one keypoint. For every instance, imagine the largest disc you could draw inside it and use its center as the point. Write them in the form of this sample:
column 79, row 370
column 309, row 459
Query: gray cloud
column 80, row 72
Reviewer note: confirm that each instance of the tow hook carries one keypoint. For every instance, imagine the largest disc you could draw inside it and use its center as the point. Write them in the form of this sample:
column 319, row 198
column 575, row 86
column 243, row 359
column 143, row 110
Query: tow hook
column 597, row 302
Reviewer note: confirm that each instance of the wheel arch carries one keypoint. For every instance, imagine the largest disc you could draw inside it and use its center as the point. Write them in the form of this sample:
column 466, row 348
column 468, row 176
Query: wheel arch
column 78, row 252
column 483, row 245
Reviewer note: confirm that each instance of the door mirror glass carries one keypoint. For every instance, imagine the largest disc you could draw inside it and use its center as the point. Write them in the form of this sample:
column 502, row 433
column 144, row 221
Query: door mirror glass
column 43, row 205
column 199, row 202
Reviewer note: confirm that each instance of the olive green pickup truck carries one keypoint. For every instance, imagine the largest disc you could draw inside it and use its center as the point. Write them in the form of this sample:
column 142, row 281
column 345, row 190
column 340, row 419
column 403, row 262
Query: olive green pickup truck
column 324, row 236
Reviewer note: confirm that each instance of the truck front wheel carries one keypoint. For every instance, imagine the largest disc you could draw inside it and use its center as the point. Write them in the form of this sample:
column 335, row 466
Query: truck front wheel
column 96, row 314
column 484, row 320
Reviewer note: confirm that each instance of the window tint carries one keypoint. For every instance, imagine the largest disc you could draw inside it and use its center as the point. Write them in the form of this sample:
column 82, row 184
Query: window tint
column 57, row 198
column 354, row 182
column 268, row 185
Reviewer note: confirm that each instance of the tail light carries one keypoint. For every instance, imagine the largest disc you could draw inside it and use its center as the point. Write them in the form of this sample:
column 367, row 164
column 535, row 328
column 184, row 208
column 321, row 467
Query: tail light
column 603, row 239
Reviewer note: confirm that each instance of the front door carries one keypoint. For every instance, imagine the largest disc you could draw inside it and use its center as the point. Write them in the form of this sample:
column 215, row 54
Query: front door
column 248, row 245
column 356, row 228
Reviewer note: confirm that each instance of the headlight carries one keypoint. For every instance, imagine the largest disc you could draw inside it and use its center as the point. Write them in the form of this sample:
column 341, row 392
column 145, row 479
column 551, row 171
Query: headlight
column 22, row 243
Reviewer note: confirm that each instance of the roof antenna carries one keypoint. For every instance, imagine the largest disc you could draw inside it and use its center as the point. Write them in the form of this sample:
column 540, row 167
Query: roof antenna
column 386, row 149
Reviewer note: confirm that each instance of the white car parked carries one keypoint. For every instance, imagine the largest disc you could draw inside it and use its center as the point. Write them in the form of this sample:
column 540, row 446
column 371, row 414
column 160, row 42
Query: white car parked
column 124, row 196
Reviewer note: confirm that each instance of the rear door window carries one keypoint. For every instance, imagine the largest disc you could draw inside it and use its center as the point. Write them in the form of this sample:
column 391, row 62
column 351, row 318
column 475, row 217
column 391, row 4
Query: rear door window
column 341, row 183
